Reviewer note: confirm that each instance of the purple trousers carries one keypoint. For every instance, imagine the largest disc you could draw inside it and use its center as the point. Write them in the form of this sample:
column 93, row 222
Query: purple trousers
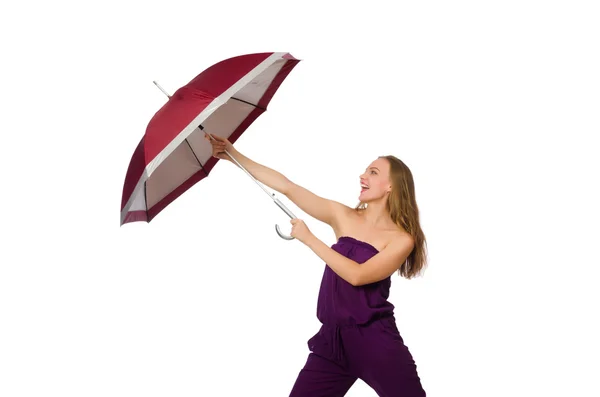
column 374, row 353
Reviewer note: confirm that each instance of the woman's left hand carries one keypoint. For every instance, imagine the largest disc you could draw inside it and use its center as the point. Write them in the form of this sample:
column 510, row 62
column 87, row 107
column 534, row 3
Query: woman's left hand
column 300, row 230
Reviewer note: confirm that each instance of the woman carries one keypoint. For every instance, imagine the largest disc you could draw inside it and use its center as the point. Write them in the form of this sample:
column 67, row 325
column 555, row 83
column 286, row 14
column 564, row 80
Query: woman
column 358, row 338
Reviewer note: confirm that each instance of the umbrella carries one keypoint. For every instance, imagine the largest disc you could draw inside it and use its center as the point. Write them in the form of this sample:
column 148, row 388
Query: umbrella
column 173, row 154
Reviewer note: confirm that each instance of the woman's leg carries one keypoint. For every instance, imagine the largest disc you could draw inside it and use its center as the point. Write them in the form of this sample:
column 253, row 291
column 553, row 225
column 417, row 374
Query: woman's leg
column 395, row 378
column 321, row 377
column 380, row 358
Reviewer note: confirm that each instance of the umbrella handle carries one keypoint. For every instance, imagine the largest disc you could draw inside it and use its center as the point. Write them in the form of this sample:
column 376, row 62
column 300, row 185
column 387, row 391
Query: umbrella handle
column 283, row 236
column 288, row 212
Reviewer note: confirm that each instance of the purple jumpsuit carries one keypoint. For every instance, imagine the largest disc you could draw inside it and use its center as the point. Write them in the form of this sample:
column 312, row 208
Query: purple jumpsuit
column 358, row 338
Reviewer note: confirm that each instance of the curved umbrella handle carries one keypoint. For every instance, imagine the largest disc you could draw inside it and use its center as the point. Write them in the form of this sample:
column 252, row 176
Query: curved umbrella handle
column 288, row 212
column 283, row 236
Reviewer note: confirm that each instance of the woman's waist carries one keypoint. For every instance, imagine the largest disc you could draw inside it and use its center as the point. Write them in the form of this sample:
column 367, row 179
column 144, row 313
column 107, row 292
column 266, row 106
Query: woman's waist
column 348, row 320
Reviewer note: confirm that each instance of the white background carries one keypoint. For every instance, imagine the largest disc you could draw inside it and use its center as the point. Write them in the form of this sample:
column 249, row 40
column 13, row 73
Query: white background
column 493, row 105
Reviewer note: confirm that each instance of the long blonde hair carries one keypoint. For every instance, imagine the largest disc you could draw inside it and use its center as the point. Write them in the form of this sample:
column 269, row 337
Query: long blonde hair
column 403, row 209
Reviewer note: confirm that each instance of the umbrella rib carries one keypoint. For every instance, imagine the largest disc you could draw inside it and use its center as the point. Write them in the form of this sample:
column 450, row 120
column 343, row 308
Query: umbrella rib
column 249, row 103
column 197, row 159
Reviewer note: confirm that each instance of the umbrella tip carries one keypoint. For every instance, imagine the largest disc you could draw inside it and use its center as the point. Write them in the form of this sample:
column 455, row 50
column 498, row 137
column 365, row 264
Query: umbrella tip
column 162, row 89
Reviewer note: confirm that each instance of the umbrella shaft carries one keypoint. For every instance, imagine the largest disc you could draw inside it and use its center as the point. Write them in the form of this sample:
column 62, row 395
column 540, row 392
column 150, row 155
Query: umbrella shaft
column 249, row 174
column 272, row 195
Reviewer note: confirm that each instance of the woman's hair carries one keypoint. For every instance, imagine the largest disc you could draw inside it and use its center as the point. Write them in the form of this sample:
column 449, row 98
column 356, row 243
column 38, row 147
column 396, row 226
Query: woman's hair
column 404, row 211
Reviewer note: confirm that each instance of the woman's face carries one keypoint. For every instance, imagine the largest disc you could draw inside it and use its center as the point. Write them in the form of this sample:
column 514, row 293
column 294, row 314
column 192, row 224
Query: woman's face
column 375, row 181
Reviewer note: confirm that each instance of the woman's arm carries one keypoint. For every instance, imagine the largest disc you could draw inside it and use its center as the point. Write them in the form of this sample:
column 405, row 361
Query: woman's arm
column 325, row 210
column 378, row 267
column 268, row 176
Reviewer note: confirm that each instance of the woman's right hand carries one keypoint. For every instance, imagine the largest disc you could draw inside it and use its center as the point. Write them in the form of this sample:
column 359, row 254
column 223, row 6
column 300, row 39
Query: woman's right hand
column 219, row 146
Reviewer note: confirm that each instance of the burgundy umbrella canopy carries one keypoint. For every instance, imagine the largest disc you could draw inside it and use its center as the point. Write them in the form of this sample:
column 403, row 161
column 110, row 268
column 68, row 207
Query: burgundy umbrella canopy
column 173, row 154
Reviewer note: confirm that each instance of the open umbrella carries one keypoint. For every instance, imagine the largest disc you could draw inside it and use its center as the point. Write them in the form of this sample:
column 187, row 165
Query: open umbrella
column 173, row 155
